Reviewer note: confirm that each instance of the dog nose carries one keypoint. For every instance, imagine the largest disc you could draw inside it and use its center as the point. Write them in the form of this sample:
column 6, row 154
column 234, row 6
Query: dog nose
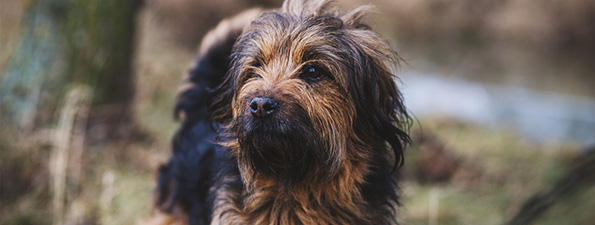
column 262, row 106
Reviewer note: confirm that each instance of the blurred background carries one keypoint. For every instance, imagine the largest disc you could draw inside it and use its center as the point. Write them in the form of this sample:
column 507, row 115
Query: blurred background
column 502, row 92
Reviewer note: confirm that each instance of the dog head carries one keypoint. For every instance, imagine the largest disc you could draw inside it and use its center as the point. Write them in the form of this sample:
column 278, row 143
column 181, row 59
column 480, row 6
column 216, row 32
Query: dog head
column 309, row 89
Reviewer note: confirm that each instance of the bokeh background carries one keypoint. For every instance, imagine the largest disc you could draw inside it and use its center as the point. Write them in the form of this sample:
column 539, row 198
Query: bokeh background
column 502, row 93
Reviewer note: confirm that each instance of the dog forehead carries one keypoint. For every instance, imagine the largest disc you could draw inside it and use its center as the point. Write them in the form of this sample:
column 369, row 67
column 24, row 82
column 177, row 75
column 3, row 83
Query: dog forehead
column 280, row 36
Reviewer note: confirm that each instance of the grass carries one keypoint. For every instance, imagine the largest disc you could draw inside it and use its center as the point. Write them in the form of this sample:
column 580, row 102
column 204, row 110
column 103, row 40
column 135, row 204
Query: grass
column 497, row 173
column 26, row 196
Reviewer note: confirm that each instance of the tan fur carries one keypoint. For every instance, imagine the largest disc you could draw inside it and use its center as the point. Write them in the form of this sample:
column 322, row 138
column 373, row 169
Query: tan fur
column 271, row 67
column 332, row 114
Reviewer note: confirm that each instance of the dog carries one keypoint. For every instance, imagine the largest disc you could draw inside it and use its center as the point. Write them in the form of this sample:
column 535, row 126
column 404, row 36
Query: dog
column 288, row 117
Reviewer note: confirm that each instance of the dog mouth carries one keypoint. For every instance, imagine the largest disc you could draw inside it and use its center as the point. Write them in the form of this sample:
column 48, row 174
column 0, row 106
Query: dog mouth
column 287, row 149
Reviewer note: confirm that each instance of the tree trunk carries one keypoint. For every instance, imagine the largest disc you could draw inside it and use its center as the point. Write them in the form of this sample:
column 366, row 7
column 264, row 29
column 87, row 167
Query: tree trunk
column 65, row 43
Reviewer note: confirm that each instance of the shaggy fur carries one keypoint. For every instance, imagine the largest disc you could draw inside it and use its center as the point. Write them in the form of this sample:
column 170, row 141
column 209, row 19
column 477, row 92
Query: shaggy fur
column 306, row 118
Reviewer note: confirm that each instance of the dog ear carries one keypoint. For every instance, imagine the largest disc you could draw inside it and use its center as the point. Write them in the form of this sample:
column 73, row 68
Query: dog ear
column 381, row 114
column 206, row 85
column 221, row 100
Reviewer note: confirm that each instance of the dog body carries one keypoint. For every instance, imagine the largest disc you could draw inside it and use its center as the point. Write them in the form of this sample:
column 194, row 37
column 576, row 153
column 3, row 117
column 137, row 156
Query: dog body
column 305, row 116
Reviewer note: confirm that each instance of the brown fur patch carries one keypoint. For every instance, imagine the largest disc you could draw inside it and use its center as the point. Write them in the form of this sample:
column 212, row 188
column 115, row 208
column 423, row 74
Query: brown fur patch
column 308, row 113
column 270, row 59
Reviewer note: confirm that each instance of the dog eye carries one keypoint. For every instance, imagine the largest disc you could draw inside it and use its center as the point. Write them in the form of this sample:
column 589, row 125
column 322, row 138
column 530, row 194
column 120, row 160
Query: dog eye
column 313, row 73
column 253, row 73
column 257, row 65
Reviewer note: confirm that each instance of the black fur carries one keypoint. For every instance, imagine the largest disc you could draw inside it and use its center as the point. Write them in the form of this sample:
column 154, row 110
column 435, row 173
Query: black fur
column 186, row 179
column 287, row 149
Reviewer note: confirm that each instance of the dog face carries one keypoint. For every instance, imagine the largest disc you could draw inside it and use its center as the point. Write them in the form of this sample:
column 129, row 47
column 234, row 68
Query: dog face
column 307, row 93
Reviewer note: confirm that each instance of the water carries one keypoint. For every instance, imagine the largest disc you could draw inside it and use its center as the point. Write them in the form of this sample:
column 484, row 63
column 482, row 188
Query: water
column 542, row 117
column 543, row 101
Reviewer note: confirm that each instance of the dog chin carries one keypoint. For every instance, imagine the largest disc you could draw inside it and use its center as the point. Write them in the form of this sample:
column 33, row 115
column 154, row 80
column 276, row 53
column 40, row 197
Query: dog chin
column 287, row 150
